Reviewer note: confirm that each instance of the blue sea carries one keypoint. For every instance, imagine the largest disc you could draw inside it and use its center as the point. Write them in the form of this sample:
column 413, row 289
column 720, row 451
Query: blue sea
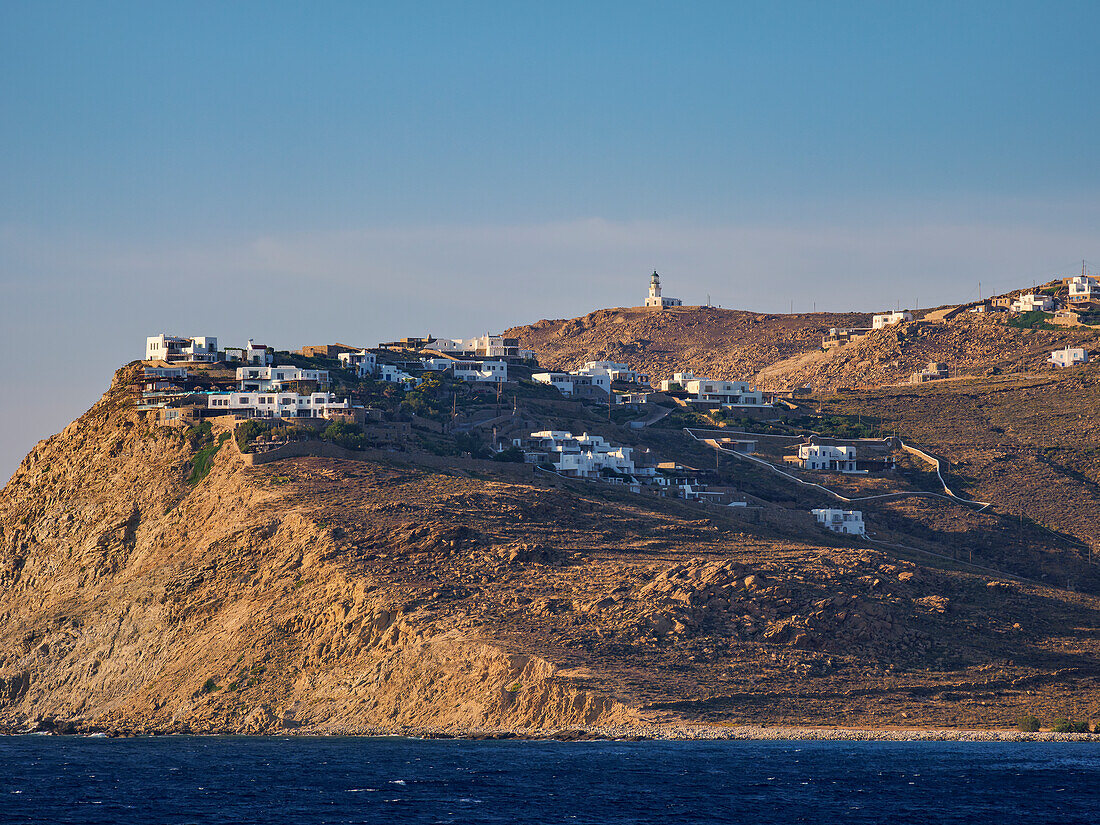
column 168, row 780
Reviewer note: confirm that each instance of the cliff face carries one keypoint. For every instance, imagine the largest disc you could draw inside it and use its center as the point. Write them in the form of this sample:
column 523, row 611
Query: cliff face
column 132, row 599
column 325, row 595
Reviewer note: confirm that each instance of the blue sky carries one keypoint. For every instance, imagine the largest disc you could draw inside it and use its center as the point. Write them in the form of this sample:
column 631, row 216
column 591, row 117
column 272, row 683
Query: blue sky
column 310, row 172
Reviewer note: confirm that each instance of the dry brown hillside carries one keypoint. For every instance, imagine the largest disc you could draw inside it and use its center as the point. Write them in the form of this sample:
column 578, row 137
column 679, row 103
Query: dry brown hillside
column 968, row 344
column 784, row 351
column 722, row 343
column 396, row 593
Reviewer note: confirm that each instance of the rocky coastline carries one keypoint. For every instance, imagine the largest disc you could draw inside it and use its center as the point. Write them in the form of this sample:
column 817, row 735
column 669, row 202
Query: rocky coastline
column 635, row 733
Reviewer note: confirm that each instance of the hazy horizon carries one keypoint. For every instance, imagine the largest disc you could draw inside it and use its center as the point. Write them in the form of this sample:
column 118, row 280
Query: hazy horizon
column 306, row 175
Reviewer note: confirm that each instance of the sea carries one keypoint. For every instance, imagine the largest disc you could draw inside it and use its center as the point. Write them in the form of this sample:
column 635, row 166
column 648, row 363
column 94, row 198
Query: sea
column 168, row 780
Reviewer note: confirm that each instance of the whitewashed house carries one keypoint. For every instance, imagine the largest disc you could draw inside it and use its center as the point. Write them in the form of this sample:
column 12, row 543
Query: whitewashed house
column 583, row 456
column 887, row 319
column 824, row 458
column 1069, row 356
column 268, row 379
column 1084, row 289
column 165, row 372
column 714, row 391
column 1033, row 303
column 274, row 404
column 258, row 354
column 561, row 381
column 493, row 372
column 395, row 375
column 576, row 384
column 484, row 346
column 615, row 371
column 199, row 349
column 362, row 362
column 654, row 298
column 849, row 522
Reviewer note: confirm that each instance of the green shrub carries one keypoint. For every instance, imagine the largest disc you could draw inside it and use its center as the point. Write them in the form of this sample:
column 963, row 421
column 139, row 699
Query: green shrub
column 1069, row 726
column 200, row 434
column 1031, row 320
column 1028, row 724
column 512, row 454
column 204, row 460
column 209, row 686
column 348, row 436
column 247, row 432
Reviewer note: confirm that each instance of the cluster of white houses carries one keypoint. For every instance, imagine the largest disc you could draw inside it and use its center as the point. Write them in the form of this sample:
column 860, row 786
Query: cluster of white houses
column 203, row 349
column 485, row 346
column 595, row 379
column 593, row 457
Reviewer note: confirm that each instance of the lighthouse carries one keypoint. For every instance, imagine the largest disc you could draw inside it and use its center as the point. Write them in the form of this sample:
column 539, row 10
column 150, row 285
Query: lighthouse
column 654, row 298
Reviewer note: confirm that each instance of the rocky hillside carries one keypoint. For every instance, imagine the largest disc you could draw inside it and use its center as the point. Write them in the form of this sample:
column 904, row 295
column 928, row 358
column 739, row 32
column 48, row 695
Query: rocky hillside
column 150, row 580
column 968, row 344
column 721, row 343
column 784, row 351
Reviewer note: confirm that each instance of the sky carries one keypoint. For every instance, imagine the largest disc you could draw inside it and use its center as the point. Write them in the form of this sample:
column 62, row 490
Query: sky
column 323, row 171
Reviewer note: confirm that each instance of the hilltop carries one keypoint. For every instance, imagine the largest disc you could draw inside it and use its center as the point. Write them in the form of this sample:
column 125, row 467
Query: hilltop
column 723, row 343
column 155, row 578
column 784, row 351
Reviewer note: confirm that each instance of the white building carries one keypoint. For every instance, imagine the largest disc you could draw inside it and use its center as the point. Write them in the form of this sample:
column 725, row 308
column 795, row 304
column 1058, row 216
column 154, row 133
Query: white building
column 824, row 458
column 849, row 522
column 615, row 371
column 275, row 404
column 200, row 349
column 258, row 354
column 887, row 319
column 362, row 362
column 714, row 391
column 584, row 456
column 654, row 298
column 493, row 372
column 577, row 384
column 1069, row 356
column 267, row 379
column 484, row 346
column 1033, row 303
column 1084, row 288
column 394, row 375
column 165, row 372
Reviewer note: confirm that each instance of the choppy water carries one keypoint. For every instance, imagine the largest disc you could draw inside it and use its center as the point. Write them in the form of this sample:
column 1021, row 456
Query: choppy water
column 340, row 780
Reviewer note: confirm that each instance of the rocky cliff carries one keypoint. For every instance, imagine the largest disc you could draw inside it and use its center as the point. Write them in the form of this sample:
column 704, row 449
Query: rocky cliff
column 151, row 581
column 134, row 600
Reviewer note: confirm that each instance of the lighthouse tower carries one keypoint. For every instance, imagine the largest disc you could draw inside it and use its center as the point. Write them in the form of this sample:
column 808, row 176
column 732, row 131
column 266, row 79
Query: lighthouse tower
column 654, row 298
